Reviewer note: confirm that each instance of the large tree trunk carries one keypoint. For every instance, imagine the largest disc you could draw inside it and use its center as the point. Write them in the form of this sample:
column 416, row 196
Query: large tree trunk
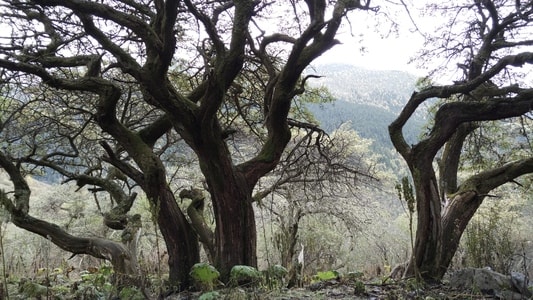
column 235, row 231
column 438, row 235
column 434, row 249
column 231, row 195
column 426, row 253
column 456, row 216
column 180, row 239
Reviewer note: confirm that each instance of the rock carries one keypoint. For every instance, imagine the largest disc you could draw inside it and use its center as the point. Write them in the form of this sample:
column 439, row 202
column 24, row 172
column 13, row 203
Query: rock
column 509, row 295
column 482, row 280
column 489, row 282
column 521, row 284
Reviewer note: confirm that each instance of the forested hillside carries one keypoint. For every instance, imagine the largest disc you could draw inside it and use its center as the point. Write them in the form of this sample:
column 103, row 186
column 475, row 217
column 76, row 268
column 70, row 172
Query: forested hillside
column 370, row 100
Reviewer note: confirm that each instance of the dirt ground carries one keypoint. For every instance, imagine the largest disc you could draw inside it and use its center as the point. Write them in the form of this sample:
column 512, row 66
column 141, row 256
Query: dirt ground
column 335, row 289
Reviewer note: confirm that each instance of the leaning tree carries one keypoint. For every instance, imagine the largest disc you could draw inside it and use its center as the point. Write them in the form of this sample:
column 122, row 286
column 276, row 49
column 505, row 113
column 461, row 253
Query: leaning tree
column 97, row 48
column 489, row 41
column 46, row 129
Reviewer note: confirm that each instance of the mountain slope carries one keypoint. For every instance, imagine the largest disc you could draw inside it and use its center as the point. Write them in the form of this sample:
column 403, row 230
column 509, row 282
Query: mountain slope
column 370, row 100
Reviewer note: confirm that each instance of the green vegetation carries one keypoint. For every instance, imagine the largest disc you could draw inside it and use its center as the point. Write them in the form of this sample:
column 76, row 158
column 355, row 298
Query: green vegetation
column 244, row 275
column 205, row 276
column 326, row 275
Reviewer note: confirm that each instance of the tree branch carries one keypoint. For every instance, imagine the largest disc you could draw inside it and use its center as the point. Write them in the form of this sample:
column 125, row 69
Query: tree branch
column 490, row 179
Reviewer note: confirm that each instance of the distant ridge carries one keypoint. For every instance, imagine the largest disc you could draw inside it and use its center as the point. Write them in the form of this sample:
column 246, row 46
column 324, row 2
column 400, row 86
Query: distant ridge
column 369, row 99
column 386, row 89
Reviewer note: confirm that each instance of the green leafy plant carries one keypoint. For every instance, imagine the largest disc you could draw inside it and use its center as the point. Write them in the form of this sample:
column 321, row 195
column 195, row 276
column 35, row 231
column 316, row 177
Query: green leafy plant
column 325, row 276
column 131, row 293
column 96, row 284
column 489, row 239
column 359, row 287
column 204, row 276
column 240, row 275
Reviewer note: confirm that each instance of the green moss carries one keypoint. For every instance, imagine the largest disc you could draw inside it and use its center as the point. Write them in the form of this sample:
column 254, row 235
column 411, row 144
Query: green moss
column 240, row 275
column 204, row 275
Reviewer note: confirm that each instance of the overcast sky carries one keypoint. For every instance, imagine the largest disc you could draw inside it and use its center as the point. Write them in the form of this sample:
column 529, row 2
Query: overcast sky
column 390, row 52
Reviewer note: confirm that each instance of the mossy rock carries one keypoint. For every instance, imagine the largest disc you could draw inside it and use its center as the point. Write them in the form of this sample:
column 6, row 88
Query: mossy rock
column 243, row 275
column 213, row 295
column 277, row 272
column 325, row 276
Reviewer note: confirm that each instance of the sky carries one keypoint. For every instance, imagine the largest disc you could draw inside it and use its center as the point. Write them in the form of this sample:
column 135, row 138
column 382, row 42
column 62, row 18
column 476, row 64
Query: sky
column 391, row 52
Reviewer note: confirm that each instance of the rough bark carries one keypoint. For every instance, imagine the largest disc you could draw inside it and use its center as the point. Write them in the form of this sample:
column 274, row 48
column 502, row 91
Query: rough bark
column 439, row 231
column 449, row 162
column 456, row 216
column 180, row 238
column 425, row 255
column 195, row 211
column 235, row 233
column 463, row 204
column 437, row 234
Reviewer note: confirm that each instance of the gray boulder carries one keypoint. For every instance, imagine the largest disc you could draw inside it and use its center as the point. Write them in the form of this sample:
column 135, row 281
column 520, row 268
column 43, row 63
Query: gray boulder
column 521, row 283
column 488, row 282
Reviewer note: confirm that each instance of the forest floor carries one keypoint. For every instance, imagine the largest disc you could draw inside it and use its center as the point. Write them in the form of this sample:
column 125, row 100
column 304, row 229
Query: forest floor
column 334, row 289
column 97, row 286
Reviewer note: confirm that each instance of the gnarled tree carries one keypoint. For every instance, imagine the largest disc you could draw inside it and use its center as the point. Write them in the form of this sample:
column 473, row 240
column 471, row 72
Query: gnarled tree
column 93, row 47
column 489, row 41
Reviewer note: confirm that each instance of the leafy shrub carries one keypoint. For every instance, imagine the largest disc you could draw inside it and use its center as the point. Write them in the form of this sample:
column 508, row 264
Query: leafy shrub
column 95, row 283
column 240, row 275
column 213, row 295
column 204, row 276
column 32, row 289
column 359, row 287
column 489, row 239
column 131, row 293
